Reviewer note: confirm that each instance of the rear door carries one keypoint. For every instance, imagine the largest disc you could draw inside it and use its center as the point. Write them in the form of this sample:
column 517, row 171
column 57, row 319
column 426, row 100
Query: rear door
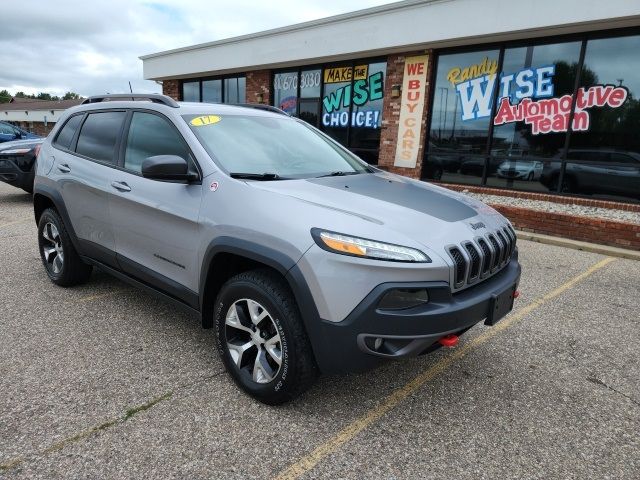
column 85, row 161
column 156, row 222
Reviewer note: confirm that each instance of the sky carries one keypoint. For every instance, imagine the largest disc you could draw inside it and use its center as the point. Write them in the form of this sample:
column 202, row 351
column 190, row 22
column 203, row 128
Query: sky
column 92, row 47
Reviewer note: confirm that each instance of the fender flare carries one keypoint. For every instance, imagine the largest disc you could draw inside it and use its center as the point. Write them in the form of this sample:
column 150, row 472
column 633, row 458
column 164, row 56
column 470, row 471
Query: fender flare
column 280, row 262
column 55, row 198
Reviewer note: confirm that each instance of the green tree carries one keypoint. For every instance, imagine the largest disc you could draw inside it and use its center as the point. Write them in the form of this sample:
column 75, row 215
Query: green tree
column 70, row 96
column 5, row 96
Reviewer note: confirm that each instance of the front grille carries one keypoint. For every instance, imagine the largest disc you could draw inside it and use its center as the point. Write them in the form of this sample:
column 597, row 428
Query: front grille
column 478, row 259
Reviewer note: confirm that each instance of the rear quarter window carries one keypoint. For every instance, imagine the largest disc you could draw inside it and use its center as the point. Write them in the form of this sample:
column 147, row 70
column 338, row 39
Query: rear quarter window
column 66, row 134
column 99, row 136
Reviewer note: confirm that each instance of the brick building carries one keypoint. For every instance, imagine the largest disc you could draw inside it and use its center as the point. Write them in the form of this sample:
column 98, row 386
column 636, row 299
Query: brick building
column 540, row 99
column 35, row 116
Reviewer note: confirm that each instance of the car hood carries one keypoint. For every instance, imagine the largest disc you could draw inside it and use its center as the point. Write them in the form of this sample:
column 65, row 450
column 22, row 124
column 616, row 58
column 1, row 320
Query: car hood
column 417, row 210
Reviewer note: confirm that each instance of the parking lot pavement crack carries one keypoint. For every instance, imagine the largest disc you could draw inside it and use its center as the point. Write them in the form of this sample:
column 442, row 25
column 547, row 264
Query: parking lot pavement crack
column 596, row 381
column 129, row 413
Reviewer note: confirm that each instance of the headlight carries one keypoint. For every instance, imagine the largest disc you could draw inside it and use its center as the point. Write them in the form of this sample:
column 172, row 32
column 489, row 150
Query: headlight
column 361, row 247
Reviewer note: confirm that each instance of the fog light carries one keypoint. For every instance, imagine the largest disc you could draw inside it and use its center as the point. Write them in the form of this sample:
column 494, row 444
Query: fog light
column 401, row 298
column 377, row 344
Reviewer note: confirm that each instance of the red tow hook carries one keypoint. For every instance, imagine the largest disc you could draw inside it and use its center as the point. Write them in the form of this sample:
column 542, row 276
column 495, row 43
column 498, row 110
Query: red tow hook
column 516, row 294
column 449, row 341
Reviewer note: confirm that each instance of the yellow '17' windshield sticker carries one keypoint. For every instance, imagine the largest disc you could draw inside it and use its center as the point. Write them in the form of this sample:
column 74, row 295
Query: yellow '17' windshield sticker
column 205, row 120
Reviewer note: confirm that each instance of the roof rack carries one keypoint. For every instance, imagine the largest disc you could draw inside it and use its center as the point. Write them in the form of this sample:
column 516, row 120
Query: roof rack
column 262, row 106
column 153, row 97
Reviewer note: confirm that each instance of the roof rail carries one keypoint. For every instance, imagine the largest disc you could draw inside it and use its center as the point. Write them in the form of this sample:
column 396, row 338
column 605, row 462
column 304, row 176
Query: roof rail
column 262, row 106
column 153, row 97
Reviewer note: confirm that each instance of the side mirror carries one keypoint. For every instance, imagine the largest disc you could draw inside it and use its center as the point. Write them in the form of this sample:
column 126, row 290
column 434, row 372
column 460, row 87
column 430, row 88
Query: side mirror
column 167, row 167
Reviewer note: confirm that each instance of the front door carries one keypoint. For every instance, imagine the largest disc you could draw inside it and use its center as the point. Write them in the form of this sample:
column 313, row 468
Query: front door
column 156, row 222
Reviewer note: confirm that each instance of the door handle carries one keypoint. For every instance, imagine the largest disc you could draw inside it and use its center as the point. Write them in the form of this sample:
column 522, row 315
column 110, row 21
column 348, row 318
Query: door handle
column 64, row 168
column 122, row 186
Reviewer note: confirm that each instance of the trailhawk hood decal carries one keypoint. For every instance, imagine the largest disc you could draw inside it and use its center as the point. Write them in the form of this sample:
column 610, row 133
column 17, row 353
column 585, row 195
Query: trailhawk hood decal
column 367, row 195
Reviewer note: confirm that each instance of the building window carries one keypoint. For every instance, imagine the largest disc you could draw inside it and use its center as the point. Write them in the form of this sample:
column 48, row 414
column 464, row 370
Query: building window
column 504, row 117
column 344, row 100
column 604, row 158
column 212, row 91
column 191, row 91
column 537, row 74
column 459, row 132
column 217, row 90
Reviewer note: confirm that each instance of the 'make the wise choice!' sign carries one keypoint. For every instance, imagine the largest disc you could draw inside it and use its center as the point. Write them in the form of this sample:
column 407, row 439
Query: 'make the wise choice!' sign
column 411, row 107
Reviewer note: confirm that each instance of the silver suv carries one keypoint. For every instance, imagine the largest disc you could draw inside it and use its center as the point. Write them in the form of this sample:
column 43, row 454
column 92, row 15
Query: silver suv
column 300, row 256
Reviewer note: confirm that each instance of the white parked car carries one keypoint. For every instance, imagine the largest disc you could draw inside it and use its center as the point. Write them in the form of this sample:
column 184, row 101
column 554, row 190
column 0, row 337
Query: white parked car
column 521, row 169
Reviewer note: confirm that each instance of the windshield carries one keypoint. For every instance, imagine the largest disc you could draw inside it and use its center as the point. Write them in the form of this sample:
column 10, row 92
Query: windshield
column 280, row 147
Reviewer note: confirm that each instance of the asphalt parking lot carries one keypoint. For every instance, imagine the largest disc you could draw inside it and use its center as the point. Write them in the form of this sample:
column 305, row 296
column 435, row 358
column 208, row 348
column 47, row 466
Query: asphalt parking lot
column 105, row 381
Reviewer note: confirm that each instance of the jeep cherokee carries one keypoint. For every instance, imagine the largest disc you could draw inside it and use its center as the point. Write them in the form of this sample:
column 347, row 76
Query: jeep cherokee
column 301, row 257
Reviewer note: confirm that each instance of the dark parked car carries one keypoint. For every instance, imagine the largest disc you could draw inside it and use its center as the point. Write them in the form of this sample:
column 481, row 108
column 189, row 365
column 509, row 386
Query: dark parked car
column 10, row 132
column 605, row 172
column 475, row 165
column 17, row 162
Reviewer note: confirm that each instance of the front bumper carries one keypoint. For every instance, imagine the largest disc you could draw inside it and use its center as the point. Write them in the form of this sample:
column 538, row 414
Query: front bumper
column 348, row 346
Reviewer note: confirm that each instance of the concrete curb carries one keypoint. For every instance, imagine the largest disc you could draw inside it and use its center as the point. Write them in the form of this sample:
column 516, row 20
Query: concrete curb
column 578, row 245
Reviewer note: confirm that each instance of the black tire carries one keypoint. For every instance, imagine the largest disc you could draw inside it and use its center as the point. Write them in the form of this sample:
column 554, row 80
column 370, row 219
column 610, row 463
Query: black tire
column 297, row 370
column 73, row 271
column 530, row 176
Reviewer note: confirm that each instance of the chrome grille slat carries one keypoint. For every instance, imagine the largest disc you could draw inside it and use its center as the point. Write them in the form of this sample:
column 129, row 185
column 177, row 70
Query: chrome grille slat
column 505, row 247
column 496, row 251
column 475, row 261
column 460, row 266
column 486, row 256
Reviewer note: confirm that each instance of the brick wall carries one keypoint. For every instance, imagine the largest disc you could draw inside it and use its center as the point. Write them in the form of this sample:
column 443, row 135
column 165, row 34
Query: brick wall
column 37, row 127
column 595, row 230
column 391, row 115
column 259, row 81
column 171, row 88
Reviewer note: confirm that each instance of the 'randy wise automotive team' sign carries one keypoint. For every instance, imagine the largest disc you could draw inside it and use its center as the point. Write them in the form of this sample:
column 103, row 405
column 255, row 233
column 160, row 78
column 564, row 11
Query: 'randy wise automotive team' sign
column 528, row 96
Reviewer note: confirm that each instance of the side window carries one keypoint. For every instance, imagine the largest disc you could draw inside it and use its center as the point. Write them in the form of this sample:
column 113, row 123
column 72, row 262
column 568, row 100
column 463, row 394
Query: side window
column 6, row 129
column 99, row 136
column 151, row 135
column 65, row 137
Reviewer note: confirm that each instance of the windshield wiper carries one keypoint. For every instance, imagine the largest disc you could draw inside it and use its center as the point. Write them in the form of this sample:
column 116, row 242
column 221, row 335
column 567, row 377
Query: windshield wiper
column 338, row 174
column 256, row 176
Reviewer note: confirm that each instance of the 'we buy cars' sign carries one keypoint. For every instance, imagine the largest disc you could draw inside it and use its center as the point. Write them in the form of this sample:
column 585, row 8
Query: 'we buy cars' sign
column 411, row 108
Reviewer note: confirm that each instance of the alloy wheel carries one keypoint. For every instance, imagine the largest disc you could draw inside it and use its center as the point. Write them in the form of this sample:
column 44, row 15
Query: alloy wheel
column 52, row 248
column 253, row 340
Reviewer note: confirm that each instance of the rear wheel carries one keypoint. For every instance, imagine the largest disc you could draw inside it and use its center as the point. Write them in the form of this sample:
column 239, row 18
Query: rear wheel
column 261, row 339
column 59, row 257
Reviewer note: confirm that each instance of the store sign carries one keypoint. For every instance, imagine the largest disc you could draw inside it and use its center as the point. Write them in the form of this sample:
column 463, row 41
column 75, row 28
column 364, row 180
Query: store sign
column 528, row 96
column 411, row 108
column 363, row 89
column 344, row 74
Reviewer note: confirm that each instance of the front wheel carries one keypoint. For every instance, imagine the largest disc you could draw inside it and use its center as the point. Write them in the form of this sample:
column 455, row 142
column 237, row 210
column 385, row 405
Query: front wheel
column 261, row 339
